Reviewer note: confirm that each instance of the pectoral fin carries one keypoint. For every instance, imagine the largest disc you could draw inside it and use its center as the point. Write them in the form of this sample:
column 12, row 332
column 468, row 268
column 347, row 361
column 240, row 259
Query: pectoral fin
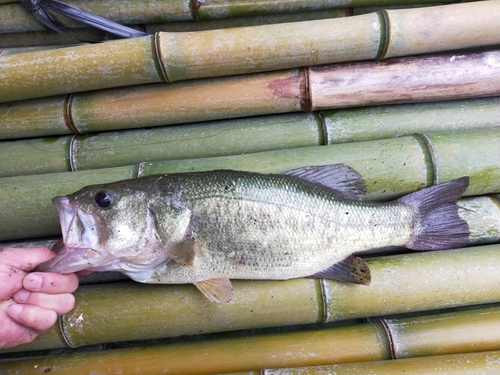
column 352, row 269
column 345, row 182
column 216, row 290
column 184, row 252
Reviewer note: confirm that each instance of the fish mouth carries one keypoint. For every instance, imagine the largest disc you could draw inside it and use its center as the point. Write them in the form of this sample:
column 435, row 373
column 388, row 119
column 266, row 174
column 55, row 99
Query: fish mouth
column 67, row 260
column 79, row 248
column 79, row 229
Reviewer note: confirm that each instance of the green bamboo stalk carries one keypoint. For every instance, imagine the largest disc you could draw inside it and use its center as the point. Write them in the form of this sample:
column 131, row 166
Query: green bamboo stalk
column 381, row 163
column 485, row 363
column 14, row 18
column 134, row 311
column 50, row 38
column 436, row 334
column 181, row 56
column 248, row 135
column 267, row 19
column 377, row 122
column 277, row 92
column 112, row 149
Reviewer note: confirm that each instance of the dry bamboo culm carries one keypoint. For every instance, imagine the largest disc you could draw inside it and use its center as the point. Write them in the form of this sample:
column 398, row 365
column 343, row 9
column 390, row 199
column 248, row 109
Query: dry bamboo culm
column 75, row 116
column 402, row 80
column 179, row 56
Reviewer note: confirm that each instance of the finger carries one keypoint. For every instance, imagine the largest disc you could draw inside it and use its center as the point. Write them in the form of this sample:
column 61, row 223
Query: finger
column 35, row 317
column 11, row 332
column 26, row 258
column 50, row 283
column 60, row 303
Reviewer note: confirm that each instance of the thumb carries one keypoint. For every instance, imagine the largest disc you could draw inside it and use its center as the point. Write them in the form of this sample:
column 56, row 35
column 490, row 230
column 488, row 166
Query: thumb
column 26, row 258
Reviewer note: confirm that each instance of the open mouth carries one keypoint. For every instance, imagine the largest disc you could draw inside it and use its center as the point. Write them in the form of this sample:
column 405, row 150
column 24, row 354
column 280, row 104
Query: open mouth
column 79, row 228
column 79, row 248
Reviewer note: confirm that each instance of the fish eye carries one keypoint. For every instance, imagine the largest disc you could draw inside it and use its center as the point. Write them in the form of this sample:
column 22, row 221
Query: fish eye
column 103, row 199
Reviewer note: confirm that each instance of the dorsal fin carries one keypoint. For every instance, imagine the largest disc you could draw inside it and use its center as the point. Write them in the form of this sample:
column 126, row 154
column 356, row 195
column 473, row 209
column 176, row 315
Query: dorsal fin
column 352, row 270
column 342, row 179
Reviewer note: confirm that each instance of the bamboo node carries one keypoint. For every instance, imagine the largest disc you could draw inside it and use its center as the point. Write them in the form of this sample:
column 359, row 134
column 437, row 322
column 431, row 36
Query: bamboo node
column 157, row 58
column 324, row 300
column 385, row 34
column 64, row 334
column 390, row 338
column 428, row 150
column 67, row 114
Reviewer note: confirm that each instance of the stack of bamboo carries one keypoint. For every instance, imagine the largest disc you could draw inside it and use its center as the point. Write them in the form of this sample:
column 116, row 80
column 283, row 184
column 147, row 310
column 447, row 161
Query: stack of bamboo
column 408, row 97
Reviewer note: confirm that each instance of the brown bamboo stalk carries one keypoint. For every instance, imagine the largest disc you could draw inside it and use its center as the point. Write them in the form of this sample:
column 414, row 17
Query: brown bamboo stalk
column 342, row 85
column 179, row 56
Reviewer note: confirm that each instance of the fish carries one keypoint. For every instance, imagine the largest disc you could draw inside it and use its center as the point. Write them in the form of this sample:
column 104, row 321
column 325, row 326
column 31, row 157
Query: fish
column 206, row 228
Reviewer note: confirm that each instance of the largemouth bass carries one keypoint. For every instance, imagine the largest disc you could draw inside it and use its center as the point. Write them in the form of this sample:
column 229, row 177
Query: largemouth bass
column 206, row 228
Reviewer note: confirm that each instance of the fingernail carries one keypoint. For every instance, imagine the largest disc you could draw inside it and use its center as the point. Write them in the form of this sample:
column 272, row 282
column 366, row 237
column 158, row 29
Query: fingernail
column 22, row 296
column 33, row 282
column 15, row 310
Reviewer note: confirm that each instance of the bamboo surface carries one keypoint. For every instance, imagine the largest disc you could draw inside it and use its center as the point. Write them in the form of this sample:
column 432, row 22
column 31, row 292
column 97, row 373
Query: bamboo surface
column 276, row 71
column 111, row 149
column 181, row 56
column 50, row 38
column 484, row 363
column 248, row 135
column 131, row 311
column 15, row 18
column 415, row 79
column 390, row 168
column 355, row 343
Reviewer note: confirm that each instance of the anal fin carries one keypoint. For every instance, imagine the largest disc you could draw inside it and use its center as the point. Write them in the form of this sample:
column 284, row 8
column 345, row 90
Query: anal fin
column 352, row 270
column 216, row 290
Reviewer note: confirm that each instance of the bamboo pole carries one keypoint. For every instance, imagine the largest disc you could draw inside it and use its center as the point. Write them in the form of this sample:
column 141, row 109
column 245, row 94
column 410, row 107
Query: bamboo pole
column 50, row 38
column 484, row 363
column 134, row 311
column 390, row 167
column 335, row 86
column 15, row 18
column 181, row 56
column 437, row 334
column 248, row 135
column 378, row 122
column 111, row 149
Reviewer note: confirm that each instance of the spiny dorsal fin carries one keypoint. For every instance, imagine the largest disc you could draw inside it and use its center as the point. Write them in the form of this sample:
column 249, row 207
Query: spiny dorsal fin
column 184, row 252
column 352, row 270
column 345, row 181
column 216, row 290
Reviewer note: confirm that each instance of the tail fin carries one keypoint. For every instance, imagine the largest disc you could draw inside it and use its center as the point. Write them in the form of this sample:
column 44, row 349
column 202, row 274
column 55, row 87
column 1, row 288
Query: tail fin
column 438, row 227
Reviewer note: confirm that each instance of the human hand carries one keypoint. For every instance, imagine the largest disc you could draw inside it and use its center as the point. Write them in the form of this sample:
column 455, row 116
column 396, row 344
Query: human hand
column 30, row 301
